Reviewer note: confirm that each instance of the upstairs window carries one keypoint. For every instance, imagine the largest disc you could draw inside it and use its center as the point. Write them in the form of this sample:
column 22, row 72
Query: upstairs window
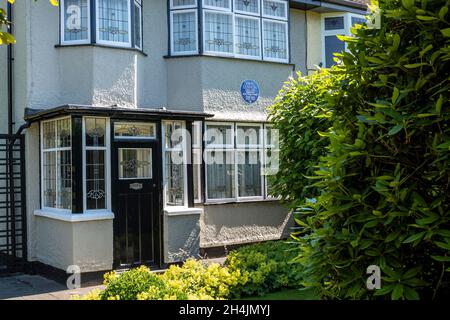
column 184, row 26
column 250, row 29
column 116, row 23
column 332, row 26
column 75, row 26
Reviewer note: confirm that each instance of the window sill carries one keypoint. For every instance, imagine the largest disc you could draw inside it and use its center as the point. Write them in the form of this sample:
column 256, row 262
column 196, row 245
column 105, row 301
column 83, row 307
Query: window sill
column 100, row 46
column 218, row 202
column 228, row 58
column 74, row 217
column 181, row 211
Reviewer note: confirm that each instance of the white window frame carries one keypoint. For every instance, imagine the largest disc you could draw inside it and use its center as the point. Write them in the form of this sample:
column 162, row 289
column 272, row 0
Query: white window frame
column 219, row 146
column 205, row 6
column 189, row 6
column 152, row 124
column 287, row 40
column 236, row 149
column 63, row 23
column 345, row 31
column 197, row 146
column 107, row 149
column 172, row 38
column 55, row 149
column 286, row 11
column 185, row 171
column 252, row 148
column 151, row 164
column 138, row 3
column 217, row 53
column 238, row 55
column 255, row 14
column 113, row 43
column 266, row 147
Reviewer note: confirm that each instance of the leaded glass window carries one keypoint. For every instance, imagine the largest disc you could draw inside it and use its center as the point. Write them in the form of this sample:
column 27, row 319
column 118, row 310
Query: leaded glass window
column 57, row 164
column 177, row 4
column 138, row 24
column 249, row 173
column 247, row 6
column 247, row 33
column 113, row 17
column 334, row 23
column 220, row 174
column 184, row 32
column 136, row 130
column 218, row 32
column 75, row 24
column 275, row 9
column 95, row 142
column 174, row 163
column 275, row 40
column 217, row 4
column 135, row 163
column 197, row 159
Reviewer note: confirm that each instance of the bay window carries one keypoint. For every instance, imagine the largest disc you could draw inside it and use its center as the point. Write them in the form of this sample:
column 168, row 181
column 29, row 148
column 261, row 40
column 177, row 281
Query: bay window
column 249, row 29
column 56, row 166
column 116, row 23
column 235, row 161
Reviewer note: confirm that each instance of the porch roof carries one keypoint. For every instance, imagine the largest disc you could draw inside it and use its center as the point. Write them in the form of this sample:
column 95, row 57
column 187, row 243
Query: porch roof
column 32, row 115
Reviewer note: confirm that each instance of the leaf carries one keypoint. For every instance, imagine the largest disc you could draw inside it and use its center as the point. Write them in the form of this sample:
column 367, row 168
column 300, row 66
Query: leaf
column 408, row 4
column 415, row 237
column 441, row 258
column 395, row 95
column 395, row 130
column 427, row 220
column 415, row 65
column 397, row 293
column 439, row 104
column 446, row 32
column 443, row 12
column 411, row 273
column 426, row 18
column 410, row 293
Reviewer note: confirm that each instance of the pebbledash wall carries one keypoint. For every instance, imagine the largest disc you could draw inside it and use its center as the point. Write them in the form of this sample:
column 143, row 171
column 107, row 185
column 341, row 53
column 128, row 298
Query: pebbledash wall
column 47, row 75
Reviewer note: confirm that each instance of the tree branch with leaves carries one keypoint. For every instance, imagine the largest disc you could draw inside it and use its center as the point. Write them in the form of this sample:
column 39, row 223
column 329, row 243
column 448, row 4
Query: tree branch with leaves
column 5, row 37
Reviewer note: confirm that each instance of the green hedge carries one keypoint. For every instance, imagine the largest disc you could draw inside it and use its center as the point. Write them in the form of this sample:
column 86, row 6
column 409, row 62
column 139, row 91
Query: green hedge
column 381, row 170
column 268, row 267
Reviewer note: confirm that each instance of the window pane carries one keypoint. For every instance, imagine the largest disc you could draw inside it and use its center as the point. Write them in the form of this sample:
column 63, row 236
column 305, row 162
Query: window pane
column 218, row 135
column 95, row 132
column 358, row 20
column 275, row 40
column 249, row 174
column 272, row 137
column 220, row 174
column 224, row 4
column 174, row 172
column 183, row 3
column 137, row 25
column 218, row 32
column 113, row 18
column 334, row 23
column 76, row 20
column 49, row 134
column 135, row 163
column 64, row 181
column 332, row 45
column 275, row 8
column 49, row 176
column 129, row 129
column 184, row 25
column 174, row 135
column 250, row 6
column 63, row 133
column 247, row 37
column 95, row 180
column 248, row 136
column 196, row 167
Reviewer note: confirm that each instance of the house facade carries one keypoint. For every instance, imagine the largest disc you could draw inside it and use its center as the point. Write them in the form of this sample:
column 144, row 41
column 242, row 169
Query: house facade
column 145, row 122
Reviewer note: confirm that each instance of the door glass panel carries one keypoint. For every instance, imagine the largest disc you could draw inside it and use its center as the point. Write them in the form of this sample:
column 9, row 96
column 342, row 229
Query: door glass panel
column 135, row 163
column 134, row 130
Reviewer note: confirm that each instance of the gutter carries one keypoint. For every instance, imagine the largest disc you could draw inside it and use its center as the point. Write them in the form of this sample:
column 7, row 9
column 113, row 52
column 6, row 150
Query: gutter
column 10, row 59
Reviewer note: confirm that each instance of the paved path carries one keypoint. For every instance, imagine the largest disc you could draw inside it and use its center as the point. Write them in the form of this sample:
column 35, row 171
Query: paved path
column 33, row 287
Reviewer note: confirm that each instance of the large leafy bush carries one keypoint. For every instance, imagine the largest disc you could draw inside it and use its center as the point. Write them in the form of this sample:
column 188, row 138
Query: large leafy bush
column 383, row 182
column 266, row 267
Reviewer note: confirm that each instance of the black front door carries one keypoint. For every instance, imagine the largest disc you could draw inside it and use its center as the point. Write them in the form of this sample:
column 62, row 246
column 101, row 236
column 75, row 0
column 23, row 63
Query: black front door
column 135, row 187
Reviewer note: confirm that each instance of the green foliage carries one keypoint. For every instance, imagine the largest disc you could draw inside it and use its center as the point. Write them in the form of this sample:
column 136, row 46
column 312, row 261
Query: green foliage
column 266, row 266
column 383, row 181
column 127, row 285
column 194, row 280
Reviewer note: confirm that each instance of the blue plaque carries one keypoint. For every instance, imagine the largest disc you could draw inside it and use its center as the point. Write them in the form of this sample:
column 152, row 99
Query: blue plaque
column 250, row 91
